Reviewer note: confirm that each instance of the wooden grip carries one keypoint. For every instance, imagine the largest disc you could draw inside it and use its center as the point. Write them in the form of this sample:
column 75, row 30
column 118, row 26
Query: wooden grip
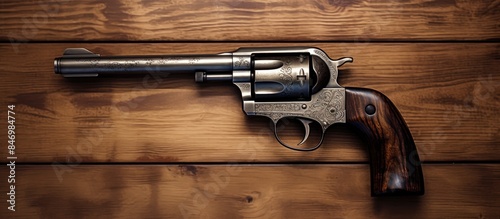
column 394, row 162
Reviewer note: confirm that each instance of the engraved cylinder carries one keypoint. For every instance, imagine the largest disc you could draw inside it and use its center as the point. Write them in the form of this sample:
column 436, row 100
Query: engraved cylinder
column 282, row 77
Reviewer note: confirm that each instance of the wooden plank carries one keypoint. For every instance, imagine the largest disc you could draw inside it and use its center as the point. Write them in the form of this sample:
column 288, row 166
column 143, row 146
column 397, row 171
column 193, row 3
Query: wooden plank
column 449, row 100
column 238, row 20
column 236, row 191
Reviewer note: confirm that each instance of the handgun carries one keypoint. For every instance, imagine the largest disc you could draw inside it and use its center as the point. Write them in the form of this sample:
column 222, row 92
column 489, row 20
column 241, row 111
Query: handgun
column 289, row 83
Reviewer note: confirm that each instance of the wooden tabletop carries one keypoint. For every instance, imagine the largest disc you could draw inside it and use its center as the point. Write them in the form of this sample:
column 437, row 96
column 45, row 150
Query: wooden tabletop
column 142, row 147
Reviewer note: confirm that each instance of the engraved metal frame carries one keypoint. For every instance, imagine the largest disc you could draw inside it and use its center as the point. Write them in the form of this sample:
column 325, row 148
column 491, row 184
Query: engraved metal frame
column 326, row 107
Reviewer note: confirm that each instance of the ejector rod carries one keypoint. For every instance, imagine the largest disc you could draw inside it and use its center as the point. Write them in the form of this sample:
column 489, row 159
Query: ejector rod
column 79, row 62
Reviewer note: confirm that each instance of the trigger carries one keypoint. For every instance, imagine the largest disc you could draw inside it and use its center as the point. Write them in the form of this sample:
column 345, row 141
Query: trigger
column 307, row 129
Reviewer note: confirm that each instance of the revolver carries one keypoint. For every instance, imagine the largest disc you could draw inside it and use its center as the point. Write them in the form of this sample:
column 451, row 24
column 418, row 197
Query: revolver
column 297, row 83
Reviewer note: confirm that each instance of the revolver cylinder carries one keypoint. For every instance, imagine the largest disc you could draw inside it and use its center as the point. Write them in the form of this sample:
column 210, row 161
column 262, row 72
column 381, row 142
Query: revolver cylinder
column 281, row 77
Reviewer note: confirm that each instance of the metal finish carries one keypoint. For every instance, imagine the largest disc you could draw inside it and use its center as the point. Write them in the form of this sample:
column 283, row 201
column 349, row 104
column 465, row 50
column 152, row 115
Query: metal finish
column 281, row 77
column 277, row 83
column 204, row 77
column 81, row 63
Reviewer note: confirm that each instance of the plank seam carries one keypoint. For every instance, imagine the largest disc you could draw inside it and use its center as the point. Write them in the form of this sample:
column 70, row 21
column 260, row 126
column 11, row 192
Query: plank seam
column 493, row 40
column 248, row 163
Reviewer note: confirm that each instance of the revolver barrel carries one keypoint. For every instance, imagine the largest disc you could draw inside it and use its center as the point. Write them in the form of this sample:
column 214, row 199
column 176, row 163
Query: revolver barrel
column 79, row 62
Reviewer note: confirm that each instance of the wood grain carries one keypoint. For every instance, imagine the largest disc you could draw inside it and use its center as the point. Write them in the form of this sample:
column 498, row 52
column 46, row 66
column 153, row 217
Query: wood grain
column 395, row 166
column 241, row 191
column 239, row 20
column 443, row 76
column 449, row 100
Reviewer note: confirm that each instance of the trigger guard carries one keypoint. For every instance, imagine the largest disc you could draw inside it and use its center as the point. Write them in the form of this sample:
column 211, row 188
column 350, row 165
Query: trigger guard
column 305, row 123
